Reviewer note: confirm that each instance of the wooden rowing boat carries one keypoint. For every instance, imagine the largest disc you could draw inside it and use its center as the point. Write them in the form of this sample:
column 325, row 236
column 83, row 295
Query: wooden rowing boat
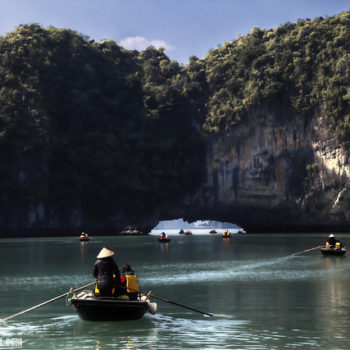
column 163, row 240
column 91, row 308
column 333, row 251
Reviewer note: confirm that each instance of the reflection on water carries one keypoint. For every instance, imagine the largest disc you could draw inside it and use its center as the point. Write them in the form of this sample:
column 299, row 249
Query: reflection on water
column 261, row 296
column 164, row 247
column 333, row 298
column 226, row 242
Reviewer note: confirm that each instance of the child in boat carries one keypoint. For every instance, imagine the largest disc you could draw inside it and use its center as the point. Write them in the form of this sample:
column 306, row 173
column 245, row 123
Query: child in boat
column 129, row 281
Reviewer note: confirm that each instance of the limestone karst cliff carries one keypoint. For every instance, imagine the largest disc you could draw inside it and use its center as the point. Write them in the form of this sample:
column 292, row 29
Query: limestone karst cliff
column 273, row 173
column 94, row 137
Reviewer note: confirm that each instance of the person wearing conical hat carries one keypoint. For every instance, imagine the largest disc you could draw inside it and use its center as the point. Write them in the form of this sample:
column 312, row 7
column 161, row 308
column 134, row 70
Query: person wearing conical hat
column 106, row 272
column 331, row 241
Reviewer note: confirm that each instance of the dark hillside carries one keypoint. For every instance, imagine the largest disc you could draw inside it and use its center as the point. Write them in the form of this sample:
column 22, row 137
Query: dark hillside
column 94, row 136
column 89, row 128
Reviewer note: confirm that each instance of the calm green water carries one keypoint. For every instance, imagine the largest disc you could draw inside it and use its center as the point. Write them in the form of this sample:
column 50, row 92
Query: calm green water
column 262, row 297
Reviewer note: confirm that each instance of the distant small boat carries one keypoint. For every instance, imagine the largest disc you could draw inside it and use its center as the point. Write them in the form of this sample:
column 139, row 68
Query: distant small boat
column 181, row 232
column 84, row 237
column 188, row 232
column 92, row 308
column 130, row 231
column 333, row 251
column 212, row 231
column 226, row 234
column 163, row 240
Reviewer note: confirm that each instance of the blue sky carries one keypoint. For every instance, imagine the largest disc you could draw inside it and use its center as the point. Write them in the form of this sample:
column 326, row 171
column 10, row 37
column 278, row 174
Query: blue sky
column 183, row 27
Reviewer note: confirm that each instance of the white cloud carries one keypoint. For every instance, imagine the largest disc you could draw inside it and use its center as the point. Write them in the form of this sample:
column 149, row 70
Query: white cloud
column 140, row 43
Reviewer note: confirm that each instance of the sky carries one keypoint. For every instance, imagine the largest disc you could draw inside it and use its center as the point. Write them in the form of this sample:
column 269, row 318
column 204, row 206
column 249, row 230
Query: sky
column 184, row 28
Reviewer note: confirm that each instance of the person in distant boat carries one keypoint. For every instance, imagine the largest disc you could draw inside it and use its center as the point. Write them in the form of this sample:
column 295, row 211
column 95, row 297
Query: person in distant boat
column 331, row 241
column 226, row 233
column 163, row 235
column 106, row 273
column 129, row 282
column 338, row 244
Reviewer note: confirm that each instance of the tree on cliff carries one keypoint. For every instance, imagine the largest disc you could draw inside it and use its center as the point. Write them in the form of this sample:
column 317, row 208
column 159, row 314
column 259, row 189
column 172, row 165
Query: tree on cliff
column 303, row 67
column 91, row 125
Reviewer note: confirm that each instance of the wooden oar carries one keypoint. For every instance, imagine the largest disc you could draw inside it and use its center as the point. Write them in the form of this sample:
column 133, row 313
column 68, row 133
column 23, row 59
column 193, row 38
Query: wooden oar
column 46, row 302
column 308, row 250
column 170, row 301
column 178, row 304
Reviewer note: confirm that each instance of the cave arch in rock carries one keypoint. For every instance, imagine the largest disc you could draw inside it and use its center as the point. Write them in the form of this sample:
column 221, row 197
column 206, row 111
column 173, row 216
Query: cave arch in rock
column 199, row 226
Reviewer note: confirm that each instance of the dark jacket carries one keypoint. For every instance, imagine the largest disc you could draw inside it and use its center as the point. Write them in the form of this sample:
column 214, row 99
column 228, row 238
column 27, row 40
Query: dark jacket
column 331, row 241
column 104, row 269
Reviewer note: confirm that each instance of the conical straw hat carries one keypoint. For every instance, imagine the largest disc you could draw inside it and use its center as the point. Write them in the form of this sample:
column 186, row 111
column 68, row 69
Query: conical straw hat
column 105, row 253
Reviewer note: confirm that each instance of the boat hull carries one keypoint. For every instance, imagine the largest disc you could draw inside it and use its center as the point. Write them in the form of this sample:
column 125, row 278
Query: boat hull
column 164, row 240
column 109, row 309
column 332, row 251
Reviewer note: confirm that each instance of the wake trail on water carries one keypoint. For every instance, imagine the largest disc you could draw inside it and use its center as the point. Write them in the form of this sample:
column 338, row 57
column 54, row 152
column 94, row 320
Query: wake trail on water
column 224, row 271
column 287, row 268
column 280, row 268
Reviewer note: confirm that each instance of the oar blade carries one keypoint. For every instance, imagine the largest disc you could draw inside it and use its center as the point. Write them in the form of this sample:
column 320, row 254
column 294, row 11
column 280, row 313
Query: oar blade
column 207, row 314
column 44, row 303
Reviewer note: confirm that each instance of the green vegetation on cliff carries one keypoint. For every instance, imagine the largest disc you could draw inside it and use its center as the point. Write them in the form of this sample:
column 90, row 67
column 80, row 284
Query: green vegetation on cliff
column 302, row 67
column 93, row 126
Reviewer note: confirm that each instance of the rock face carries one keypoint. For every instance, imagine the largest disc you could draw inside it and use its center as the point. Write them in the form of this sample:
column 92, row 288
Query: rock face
column 276, row 173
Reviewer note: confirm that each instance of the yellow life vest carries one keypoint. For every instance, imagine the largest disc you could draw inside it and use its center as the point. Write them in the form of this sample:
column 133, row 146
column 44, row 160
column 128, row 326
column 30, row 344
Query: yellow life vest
column 132, row 284
column 97, row 291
